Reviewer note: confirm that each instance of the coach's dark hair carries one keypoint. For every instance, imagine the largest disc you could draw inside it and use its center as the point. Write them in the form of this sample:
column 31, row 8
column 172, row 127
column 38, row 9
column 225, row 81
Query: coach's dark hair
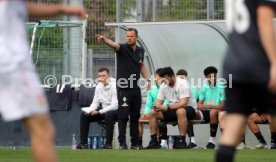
column 158, row 71
column 103, row 69
column 209, row 70
column 133, row 29
column 182, row 72
column 166, row 71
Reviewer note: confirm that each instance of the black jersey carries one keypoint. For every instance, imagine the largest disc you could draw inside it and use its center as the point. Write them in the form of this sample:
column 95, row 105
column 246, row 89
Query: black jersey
column 128, row 66
column 245, row 59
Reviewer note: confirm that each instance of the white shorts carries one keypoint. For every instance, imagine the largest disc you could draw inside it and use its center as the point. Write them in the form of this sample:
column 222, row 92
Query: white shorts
column 21, row 95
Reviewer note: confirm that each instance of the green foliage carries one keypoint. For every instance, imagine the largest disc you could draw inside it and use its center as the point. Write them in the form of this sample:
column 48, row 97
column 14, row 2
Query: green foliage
column 48, row 51
column 180, row 10
column 219, row 9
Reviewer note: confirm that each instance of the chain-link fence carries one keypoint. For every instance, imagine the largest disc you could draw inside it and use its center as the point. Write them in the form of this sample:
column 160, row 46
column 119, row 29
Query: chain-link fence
column 101, row 11
column 57, row 48
column 169, row 10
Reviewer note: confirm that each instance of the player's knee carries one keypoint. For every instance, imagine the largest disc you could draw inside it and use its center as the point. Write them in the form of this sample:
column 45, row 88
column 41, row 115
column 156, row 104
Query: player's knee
column 109, row 115
column 152, row 114
column 213, row 114
column 181, row 113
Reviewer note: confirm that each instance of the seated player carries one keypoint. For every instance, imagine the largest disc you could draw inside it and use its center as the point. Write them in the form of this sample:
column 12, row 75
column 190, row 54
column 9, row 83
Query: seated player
column 182, row 73
column 151, row 98
column 211, row 102
column 106, row 96
column 181, row 108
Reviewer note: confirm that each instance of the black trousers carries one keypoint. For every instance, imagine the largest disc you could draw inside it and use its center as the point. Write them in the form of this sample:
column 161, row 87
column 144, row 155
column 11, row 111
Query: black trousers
column 129, row 106
column 110, row 118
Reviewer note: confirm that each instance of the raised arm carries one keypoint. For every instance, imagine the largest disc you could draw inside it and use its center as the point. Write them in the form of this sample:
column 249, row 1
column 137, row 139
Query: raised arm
column 108, row 42
column 265, row 16
column 45, row 10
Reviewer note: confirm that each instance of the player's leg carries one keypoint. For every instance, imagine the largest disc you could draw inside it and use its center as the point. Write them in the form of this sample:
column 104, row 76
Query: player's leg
column 123, row 113
column 182, row 127
column 252, row 121
column 134, row 118
column 85, row 120
column 182, row 121
column 221, row 119
column 233, row 131
column 42, row 135
column 110, row 118
column 153, row 124
column 23, row 99
column 239, row 101
column 191, row 135
column 141, row 132
column 213, row 128
column 162, row 131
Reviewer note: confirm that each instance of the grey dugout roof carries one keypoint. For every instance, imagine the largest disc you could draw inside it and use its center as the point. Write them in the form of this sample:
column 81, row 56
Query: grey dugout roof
column 182, row 45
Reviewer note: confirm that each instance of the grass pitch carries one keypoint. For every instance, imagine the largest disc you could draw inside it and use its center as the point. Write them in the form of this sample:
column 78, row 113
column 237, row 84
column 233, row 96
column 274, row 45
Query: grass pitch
column 191, row 155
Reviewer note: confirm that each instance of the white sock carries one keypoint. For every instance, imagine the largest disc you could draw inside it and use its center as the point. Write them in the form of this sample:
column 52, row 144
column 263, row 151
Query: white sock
column 212, row 139
column 164, row 142
column 193, row 140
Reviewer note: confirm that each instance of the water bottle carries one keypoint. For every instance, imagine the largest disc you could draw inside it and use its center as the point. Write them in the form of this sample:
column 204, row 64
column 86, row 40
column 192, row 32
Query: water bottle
column 74, row 142
column 170, row 142
column 95, row 143
column 89, row 143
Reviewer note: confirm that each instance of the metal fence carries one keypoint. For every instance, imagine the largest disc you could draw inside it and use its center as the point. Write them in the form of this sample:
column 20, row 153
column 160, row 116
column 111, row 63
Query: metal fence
column 101, row 11
column 57, row 48
column 170, row 10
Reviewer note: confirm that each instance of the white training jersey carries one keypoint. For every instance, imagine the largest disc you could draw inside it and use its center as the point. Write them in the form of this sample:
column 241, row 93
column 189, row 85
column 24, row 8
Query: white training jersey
column 106, row 96
column 174, row 94
column 14, row 47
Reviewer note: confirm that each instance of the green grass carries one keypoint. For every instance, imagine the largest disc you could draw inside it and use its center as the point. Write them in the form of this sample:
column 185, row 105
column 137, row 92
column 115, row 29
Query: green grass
column 68, row 155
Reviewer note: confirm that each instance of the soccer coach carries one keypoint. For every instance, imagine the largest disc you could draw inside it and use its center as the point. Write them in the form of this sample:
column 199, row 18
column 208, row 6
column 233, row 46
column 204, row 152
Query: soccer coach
column 130, row 63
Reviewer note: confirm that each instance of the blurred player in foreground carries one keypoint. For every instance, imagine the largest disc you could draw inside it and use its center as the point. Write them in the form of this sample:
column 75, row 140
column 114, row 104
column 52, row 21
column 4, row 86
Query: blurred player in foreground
column 251, row 59
column 21, row 98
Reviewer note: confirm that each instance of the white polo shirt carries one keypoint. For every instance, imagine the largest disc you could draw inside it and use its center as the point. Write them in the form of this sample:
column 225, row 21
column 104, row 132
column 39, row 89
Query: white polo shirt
column 14, row 48
column 106, row 96
column 174, row 94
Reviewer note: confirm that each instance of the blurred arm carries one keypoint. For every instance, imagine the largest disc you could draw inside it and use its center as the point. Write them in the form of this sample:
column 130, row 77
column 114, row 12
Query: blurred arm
column 45, row 10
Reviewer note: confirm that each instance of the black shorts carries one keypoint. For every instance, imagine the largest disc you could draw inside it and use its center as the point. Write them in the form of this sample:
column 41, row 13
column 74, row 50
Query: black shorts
column 243, row 98
column 206, row 115
column 170, row 115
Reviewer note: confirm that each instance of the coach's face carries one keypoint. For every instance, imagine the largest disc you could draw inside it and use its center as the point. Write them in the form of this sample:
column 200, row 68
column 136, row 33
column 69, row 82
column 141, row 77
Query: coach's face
column 131, row 38
column 103, row 77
